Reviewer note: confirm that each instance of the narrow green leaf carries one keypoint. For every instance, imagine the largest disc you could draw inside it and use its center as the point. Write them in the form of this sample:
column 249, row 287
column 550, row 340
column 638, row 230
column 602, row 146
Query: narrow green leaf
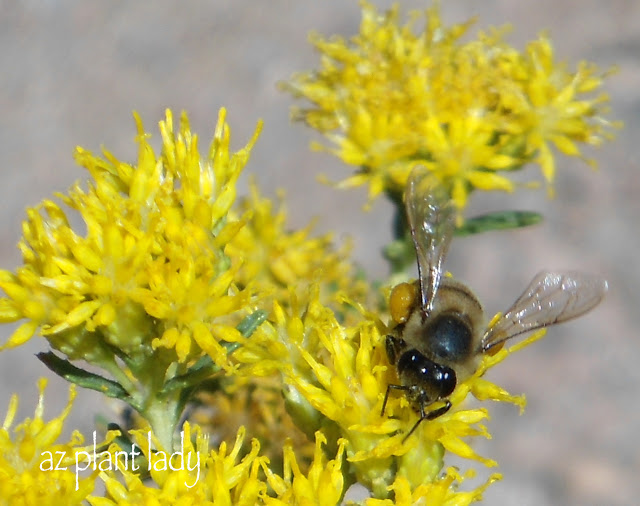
column 500, row 220
column 85, row 379
column 198, row 372
column 247, row 327
column 250, row 323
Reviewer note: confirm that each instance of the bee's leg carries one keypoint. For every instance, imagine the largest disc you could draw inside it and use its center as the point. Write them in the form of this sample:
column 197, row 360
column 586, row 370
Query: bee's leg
column 394, row 347
column 431, row 415
column 386, row 395
column 390, row 345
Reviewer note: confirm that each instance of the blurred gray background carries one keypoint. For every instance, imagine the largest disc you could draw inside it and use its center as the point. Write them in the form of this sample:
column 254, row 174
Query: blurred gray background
column 74, row 71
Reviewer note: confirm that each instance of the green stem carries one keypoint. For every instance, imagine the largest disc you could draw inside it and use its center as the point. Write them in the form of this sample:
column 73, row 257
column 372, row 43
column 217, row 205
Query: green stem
column 163, row 413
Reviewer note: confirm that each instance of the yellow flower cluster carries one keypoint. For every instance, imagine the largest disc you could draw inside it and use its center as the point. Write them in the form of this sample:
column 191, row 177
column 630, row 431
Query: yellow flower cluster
column 201, row 476
column 276, row 260
column 204, row 477
column 151, row 271
column 170, row 261
column 226, row 477
column 166, row 261
column 335, row 378
column 30, row 466
column 392, row 97
column 170, row 258
column 168, row 268
column 194, row 301
column 29, row 458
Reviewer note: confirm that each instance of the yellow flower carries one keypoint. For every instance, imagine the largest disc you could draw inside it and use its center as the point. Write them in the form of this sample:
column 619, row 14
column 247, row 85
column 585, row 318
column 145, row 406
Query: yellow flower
column 336, row 377
column 203, row 477
column 30, row 466
column 276, row 259
column 552, row 108
column 464, row 154
column 151, row 271
column 147, row 290
column 441, row 493
column 322, row 484
column 255, row 403
column 226, row 476
column 394, row 96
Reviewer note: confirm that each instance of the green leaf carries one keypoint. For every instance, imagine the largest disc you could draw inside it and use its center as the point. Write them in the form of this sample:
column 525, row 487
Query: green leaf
column 250, row 323
column 85, row 379
column 500, row 220
column 198, row 372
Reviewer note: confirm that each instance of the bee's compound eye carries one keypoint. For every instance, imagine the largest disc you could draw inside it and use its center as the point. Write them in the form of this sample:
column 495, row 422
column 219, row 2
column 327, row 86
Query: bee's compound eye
column 447, row 380
column 401, row 300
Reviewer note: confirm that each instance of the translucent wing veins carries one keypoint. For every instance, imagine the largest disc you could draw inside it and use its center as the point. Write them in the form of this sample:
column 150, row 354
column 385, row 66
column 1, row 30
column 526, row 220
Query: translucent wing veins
column 431, row 219
column 550, row 298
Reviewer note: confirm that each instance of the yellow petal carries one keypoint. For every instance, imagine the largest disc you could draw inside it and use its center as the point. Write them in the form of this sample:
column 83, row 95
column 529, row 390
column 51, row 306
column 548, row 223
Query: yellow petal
column 21, row 335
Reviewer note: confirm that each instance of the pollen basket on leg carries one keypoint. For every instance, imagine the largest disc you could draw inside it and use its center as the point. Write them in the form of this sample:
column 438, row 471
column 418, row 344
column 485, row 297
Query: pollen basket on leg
column 402, row 300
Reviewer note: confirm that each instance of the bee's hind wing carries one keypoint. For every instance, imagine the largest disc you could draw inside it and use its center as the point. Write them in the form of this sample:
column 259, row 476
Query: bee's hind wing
column 550, row 298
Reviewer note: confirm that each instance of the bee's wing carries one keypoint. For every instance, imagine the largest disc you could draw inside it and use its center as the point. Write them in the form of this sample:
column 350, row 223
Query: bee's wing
column 551, row 297
column 431, row 218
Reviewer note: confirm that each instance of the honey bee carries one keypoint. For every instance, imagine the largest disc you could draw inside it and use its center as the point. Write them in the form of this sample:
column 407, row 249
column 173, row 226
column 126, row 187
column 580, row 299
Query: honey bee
column 440, row 330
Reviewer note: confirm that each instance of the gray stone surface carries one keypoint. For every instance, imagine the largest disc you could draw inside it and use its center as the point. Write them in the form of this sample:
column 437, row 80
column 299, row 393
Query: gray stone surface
column 73, row 71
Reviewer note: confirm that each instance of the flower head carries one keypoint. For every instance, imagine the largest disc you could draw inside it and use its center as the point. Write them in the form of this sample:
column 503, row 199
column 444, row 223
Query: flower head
column 147, row 289
column 323, row 483
column 441, row 493
column 394, row 96
column 556, row 107
column 151, row 271
column 206, row 477
column 224, row 476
